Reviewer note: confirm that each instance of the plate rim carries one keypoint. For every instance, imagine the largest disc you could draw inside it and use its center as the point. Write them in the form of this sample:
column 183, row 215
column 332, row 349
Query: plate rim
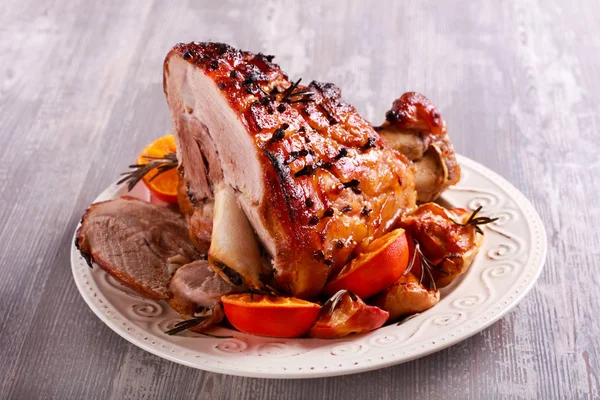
column 497, row 179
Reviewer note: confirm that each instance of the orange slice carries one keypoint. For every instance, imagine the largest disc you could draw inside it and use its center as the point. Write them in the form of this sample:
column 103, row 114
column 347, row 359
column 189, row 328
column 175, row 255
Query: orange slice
column 274, row 316
column 380, row 266
column 163, row 186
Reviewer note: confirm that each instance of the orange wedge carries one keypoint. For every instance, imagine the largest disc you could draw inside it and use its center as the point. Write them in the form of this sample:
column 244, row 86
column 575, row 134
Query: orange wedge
column 380, row 266
column 273, row 316
column 163, row 186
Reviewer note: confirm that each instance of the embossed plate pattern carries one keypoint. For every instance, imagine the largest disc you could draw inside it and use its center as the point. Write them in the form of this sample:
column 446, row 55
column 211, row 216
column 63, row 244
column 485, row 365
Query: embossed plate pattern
column 506, row 268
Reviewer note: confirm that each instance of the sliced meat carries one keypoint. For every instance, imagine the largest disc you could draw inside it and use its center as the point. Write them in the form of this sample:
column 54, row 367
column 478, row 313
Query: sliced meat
column 311, row 176
column 138, row 243
column 415, row 128
column 196, row 291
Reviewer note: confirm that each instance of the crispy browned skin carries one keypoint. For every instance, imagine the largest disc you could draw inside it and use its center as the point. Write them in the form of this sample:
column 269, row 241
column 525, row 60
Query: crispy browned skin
column 416, row 128
column 448, row 245
column 330, row 181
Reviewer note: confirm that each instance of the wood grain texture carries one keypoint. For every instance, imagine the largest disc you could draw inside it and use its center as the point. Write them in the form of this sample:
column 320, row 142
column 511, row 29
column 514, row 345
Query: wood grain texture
column 81, row 93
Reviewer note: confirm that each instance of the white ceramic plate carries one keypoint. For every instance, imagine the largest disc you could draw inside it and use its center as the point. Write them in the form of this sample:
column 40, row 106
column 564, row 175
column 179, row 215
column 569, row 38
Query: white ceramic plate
column 506, row 268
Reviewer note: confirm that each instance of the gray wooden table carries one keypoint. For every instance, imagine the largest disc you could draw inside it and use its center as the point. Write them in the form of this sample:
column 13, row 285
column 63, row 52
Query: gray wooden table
column 81, row 93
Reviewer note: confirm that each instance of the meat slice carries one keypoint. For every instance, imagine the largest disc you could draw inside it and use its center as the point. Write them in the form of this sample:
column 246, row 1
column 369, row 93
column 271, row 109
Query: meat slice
column 138, row 243
column 196, row 291
column 415, row 128
column 313, row 178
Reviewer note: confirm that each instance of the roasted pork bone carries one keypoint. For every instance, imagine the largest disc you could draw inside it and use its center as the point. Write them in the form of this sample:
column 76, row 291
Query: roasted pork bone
column 415, row 128
column 310, row 176
column 138, row 243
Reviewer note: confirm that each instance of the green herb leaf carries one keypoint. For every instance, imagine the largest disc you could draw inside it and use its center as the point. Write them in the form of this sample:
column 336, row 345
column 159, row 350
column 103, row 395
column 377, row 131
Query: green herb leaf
column 184, row 325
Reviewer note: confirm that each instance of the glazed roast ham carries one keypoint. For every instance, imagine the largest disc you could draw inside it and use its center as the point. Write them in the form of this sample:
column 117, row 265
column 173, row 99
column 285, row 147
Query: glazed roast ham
column 287, row 168
column 280, row 185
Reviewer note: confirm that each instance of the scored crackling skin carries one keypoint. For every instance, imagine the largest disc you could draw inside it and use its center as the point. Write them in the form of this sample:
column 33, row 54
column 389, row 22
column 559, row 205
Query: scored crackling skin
column 314, row 178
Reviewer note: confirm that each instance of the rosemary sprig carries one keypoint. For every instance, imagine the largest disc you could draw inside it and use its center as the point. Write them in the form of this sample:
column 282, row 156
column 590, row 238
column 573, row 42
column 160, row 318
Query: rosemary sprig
column 403, row 320
column 267, row 291
column 302, row 93
column 162, row 164
column 190, row 323
column 333, row 301
column 213, row 336
column 476, row 221
column 291, row 92
column 426, row 266
column 183, row 325
column 411, row 264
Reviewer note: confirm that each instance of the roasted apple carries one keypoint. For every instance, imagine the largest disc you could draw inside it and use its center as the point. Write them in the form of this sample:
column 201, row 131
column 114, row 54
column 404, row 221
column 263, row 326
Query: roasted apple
column 405, row 297
column 449, row 239
column 346, row 313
